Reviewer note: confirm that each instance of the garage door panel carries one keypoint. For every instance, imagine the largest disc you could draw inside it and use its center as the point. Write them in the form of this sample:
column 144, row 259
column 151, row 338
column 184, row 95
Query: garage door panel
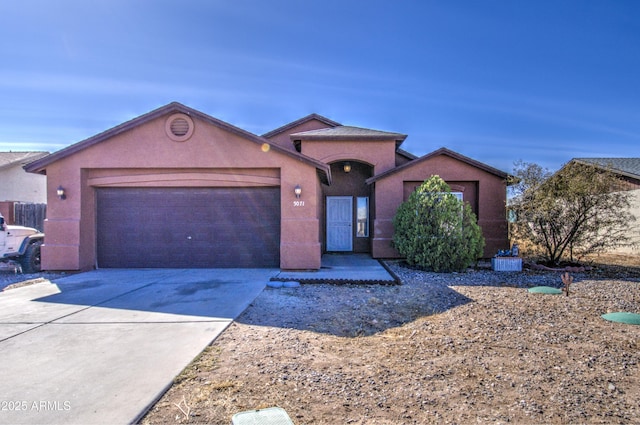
column 211, row 227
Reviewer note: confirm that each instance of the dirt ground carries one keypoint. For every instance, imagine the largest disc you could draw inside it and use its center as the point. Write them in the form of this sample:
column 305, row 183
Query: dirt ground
column 471, row 347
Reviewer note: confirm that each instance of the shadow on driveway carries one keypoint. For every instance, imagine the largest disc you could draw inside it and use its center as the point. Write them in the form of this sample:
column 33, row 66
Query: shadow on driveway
column 160, row 294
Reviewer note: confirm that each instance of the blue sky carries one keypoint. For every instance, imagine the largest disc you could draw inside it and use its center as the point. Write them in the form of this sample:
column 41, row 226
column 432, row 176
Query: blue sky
column 541, row 81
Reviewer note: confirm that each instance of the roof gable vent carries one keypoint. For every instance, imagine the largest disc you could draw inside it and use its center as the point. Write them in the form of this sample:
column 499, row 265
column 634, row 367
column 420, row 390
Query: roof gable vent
column 179, row 127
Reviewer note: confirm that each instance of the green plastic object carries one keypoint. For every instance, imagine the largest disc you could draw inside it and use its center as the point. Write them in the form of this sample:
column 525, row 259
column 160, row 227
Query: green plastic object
column 623, row 317
column 545, row 290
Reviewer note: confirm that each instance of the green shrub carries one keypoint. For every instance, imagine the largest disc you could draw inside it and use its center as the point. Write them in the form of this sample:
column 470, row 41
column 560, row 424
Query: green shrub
column 436, row 231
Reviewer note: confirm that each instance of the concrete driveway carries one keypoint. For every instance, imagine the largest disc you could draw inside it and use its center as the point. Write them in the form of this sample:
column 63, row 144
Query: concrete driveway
column 100, row 347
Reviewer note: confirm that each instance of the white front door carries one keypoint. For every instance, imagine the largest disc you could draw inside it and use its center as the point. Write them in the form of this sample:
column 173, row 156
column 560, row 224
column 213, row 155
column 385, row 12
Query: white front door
column 339, row 223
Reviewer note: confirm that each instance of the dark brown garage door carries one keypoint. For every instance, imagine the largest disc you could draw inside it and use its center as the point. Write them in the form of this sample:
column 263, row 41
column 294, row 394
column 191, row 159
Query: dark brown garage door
column 188, row 228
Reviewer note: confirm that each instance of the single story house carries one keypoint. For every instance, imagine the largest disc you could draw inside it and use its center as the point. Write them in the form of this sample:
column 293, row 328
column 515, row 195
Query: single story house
column 18, row 186
column 178, row 188
column 628, row 170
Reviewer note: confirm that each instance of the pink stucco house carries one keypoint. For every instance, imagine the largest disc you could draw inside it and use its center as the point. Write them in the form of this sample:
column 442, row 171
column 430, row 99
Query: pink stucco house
column 178, row 188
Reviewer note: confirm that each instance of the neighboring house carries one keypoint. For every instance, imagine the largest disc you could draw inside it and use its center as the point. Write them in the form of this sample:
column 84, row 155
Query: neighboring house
column 18, row 185
column 178, row 188
column 627, row 169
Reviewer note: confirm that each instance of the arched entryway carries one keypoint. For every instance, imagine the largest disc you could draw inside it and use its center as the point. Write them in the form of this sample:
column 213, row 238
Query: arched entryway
column 348, row 206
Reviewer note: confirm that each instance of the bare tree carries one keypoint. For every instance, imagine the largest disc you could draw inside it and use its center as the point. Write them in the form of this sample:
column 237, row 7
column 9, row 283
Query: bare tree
column 579, row 210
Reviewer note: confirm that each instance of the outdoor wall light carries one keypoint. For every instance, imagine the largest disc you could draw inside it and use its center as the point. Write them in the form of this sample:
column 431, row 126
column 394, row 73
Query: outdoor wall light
column 297, row 190
column 61, row 193
column 347, row 167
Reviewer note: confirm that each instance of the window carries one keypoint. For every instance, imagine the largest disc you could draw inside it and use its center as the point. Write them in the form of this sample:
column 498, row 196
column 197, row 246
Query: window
column 440, row 195
column 436, row 198
column 362, row 217
column 458, row 195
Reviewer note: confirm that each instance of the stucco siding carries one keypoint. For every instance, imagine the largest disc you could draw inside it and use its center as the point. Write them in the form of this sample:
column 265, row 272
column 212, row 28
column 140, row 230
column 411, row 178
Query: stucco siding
column 145, row 157
column 18, row 185
column 283, row 139
column 634, row 228
column 379, row 154
column 300, row 246
column 490, row 200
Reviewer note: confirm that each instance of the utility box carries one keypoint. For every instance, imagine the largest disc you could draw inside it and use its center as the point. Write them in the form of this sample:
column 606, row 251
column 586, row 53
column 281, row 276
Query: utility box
column 269, row 416
column 506, row 264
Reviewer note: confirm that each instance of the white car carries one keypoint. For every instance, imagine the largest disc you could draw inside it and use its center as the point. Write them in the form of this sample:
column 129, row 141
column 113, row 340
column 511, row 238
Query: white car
column 22, row 244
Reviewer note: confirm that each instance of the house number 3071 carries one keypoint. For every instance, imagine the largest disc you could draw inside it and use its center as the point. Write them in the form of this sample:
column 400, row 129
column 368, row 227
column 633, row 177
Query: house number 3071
column 298, row 203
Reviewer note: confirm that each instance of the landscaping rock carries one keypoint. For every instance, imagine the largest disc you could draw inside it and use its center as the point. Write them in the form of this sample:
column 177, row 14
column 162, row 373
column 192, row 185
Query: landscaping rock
column 473, row 347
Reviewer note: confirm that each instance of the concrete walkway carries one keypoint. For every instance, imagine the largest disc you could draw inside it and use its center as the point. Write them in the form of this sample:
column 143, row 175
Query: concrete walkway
column 343, row 268
column 100, row 347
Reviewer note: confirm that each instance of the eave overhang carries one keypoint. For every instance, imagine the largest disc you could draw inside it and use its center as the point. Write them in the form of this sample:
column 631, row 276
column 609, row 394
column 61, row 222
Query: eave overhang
column 438, row 152
column 40, row 166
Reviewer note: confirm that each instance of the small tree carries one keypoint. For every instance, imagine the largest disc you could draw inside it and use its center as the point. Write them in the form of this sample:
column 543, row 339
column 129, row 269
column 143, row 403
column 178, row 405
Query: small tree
column 437, row 231
column 579, row 210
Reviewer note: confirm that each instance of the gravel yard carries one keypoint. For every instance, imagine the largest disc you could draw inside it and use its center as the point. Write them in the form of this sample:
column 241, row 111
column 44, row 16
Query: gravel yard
column 10, row 277
column 440, row 348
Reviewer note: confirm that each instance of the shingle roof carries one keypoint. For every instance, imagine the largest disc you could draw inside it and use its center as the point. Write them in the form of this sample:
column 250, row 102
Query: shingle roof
column 629, row 167
column 300, row 121
column 8, row 159
column 345, row 132
column 441, row 151
column 406, row 154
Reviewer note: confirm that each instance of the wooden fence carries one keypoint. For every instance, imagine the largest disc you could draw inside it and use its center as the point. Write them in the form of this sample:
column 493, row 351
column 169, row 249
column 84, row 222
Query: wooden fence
column 30, row 215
